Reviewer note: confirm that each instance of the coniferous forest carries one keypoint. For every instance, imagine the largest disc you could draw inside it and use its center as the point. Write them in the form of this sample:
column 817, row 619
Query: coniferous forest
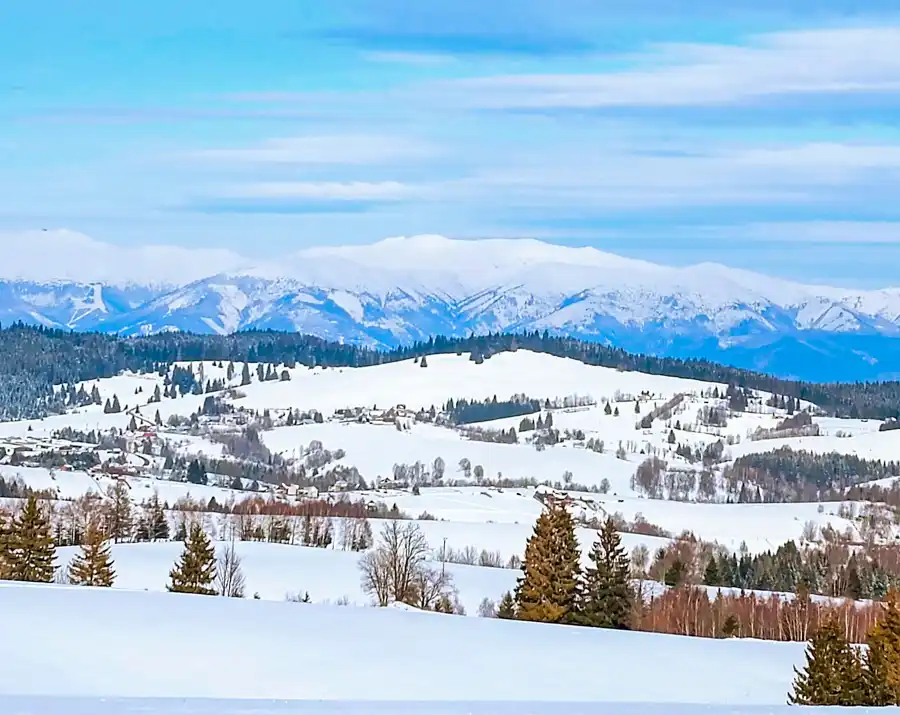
column 35, row 359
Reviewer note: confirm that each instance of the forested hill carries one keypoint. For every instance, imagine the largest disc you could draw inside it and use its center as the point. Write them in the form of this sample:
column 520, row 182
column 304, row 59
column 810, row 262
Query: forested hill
column 32, row 360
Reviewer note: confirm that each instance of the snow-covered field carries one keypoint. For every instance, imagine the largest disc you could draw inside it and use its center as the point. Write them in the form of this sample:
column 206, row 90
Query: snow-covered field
column 276, row 571
column 136, row 649
column 487, row 516
column 177, row 706
column 145, row 645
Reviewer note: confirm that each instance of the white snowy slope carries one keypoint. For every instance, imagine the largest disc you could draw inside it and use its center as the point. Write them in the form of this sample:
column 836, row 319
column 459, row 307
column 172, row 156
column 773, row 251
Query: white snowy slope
column 480, row 517
column 402, row 289
column 106, row 643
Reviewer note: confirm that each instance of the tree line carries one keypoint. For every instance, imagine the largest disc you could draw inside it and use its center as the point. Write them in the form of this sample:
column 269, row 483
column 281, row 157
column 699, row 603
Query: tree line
column 37, row 358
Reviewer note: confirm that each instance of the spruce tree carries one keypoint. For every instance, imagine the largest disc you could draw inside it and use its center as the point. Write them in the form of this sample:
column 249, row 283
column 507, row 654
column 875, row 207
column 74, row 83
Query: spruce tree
column 605, row 595
column 31, row 548
column 119, row 514
column 882, row 660
column 711, row 575
column 507, row 607
column 93, row 566
column 196, row 569
column 5, row 546
column 547, row 589
column 157, row 523
column 833, row 671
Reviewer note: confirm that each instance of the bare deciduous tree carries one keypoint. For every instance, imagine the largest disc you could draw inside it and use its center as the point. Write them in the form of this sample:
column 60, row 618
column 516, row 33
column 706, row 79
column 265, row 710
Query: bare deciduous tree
column 487, row 608
column 230, row 579
column 390, row 570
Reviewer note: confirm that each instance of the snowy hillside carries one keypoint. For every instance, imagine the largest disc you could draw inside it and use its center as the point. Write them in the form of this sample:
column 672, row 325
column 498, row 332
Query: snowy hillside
column 375, row 425
column 402, row 289
column 134, row 644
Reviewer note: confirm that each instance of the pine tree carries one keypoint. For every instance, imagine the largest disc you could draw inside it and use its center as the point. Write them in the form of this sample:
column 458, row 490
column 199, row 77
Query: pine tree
column 5, row 546
column 605, row 595
column 507, row 607
column 119, row 515
column 93, row 566
column 711, row 575
column 833, row 671
column 157, row 523
column 245, row 375
column 547, row 589
column 674, row 575
column 608, row 409
column 882, row 660
column 31, row 548
column 196, row 569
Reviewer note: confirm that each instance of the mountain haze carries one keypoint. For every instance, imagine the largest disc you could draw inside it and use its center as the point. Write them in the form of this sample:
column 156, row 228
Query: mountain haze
column 405, row 289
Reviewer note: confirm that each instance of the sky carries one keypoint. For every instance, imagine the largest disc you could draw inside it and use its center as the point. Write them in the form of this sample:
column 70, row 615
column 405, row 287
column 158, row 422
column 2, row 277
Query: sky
column 765, row 136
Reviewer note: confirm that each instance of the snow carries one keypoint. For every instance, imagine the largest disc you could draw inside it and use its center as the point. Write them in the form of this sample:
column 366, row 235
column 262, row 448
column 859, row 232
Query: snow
column 163, row 706
column 374, row 449
column 417, row 282
column 274, row 571
column 127, row 644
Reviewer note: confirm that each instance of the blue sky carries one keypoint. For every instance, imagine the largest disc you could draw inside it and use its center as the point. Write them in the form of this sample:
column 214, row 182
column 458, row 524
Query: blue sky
column 766, row 136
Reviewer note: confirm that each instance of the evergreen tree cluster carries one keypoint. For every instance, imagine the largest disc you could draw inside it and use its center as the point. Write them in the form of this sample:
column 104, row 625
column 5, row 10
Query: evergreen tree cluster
column 794, row 475
column 837, row 673
column 789, row 569
column 28, row 550
column 36, row 359
column 465, row 411
column 554, row 589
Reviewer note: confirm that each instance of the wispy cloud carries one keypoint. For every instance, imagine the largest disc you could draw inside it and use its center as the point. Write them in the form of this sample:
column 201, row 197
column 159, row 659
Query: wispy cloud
column 323, row 190
column 408, row 58
column 831, row 232
column 837, row 61
column 348, row 149
column 712, row 175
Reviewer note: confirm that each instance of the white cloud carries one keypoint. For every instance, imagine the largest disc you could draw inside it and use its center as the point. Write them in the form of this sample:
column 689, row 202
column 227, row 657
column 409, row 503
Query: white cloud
column 324, row 150
column 68, row 255
column 875, row 232
column 718, row 175
column 324, row 190
column 835, row 61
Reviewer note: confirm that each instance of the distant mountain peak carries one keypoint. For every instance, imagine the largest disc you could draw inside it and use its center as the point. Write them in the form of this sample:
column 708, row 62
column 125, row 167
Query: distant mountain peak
column 409, row 288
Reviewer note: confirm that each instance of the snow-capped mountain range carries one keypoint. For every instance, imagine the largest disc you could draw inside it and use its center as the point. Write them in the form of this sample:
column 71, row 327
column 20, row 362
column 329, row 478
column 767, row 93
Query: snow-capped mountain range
column 403, row 289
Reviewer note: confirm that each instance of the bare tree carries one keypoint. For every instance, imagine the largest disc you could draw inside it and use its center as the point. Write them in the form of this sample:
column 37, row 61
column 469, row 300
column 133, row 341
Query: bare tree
column 640, row 561
column 230, row 579
column 390, row 571
column 437, row 468
column 376, row 577
column 465, row 466
column 487, row 608
column 431, row 588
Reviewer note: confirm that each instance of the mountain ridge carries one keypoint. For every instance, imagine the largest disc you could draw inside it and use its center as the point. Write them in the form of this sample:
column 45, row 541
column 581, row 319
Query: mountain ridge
column 403, row 289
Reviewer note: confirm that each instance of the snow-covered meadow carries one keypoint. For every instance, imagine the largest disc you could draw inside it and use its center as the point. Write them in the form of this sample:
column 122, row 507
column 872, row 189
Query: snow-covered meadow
column 131, row 644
